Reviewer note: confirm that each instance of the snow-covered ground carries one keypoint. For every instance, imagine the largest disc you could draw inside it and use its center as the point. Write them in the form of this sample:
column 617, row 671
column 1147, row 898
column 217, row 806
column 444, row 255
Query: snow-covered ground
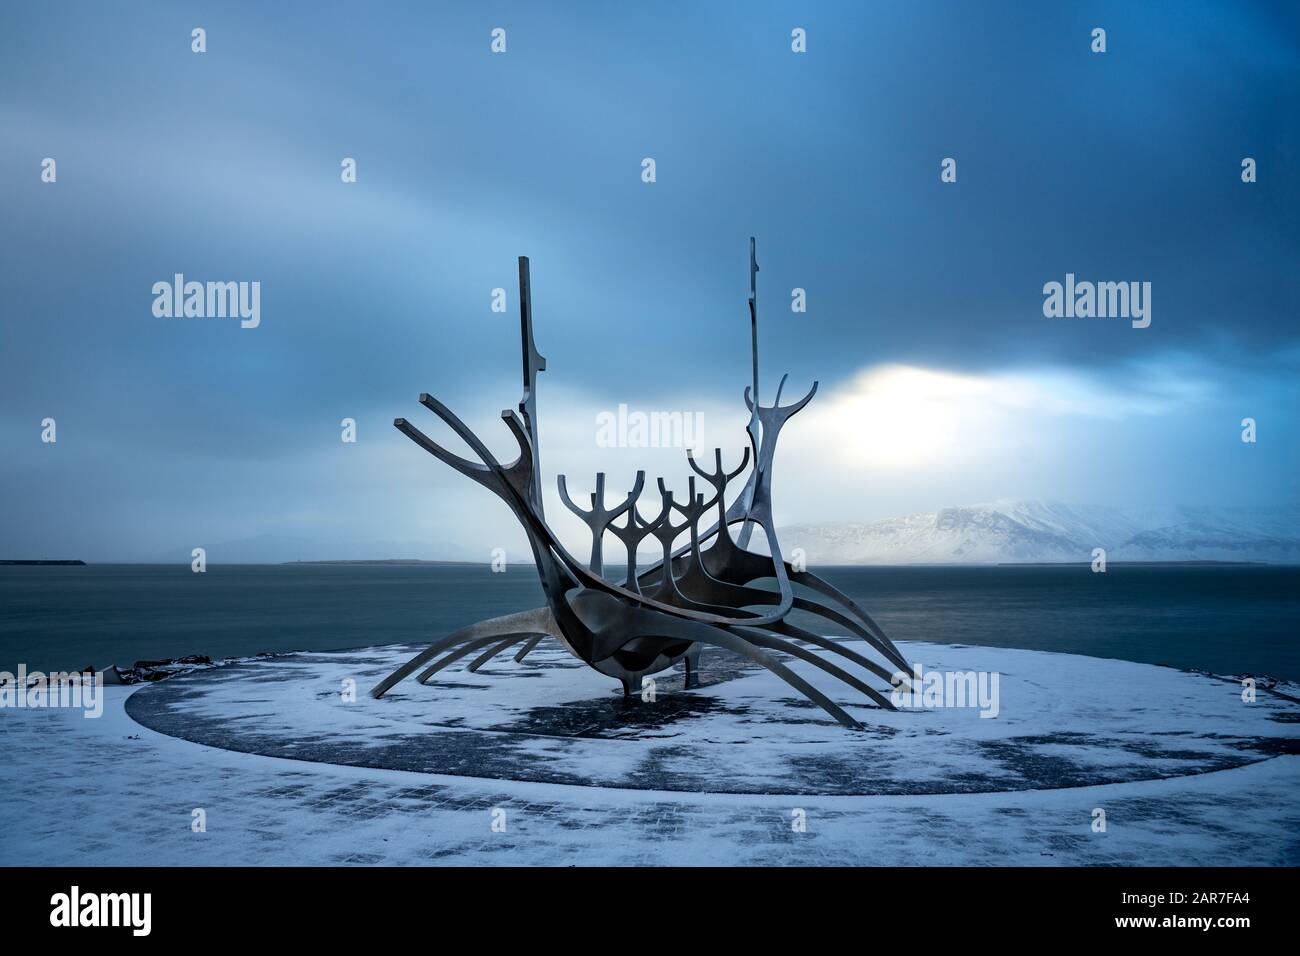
column 111, row 791
column 1061, row 720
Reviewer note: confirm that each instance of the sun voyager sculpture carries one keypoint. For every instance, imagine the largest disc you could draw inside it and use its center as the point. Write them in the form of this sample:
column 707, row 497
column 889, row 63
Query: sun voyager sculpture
column 702, row 593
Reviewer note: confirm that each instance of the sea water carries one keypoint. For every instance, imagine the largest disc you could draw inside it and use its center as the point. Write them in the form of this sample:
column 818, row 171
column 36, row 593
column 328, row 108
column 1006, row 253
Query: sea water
column 1224, row 619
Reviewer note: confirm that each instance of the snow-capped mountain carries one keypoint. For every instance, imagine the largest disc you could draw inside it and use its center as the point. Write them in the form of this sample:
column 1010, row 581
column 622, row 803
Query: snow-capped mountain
column 1039, row 531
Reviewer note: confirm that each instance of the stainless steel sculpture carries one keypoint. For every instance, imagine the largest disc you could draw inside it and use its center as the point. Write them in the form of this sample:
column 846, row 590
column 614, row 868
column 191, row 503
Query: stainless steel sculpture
column 693, row 597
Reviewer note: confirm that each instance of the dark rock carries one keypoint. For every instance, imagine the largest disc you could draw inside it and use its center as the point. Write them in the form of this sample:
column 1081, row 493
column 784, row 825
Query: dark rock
column 150, row 671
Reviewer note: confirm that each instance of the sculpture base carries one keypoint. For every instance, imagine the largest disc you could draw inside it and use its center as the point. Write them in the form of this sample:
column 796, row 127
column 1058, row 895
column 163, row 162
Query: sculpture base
column 1062, row 721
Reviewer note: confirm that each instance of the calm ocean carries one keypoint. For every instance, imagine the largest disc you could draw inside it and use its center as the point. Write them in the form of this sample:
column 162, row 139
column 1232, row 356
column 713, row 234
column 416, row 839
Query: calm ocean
column 1224, row 619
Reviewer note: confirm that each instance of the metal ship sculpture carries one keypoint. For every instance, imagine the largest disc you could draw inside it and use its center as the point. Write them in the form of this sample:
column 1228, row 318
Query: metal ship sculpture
column 700, row 594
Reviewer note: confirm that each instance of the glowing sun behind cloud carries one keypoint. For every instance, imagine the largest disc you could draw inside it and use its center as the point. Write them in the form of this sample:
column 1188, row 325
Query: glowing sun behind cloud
column 901, row 417
column 897, row 416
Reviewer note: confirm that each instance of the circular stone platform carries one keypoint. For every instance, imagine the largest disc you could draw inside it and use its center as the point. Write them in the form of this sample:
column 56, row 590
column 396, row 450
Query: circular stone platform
column 1063, row 721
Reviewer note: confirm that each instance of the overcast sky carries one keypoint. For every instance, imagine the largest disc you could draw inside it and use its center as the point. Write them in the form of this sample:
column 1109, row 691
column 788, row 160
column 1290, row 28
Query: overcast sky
column 942, row 382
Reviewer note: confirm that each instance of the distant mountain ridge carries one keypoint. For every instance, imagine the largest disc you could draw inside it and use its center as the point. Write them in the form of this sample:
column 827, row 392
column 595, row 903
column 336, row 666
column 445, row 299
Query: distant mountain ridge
column 1015, row 531
column 1001, row 532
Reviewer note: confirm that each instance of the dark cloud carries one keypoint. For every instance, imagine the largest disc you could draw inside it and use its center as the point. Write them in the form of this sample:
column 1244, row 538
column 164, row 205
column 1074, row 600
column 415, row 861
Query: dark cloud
column 1121, row 166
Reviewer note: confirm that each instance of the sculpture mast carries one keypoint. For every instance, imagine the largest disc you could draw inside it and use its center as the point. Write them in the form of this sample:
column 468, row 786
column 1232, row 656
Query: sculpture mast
column 753, row 427
column 533, row 363
column 753, row 332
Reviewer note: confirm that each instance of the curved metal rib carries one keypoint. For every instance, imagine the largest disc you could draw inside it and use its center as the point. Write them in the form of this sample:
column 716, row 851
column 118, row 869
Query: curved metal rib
column 493, row 651
column 467, row 648
column 744, row 649
column 532, row 621
column 528, row 648
column 835, row 647
column 776, row 644
column 824, row 587
column 615, row 624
